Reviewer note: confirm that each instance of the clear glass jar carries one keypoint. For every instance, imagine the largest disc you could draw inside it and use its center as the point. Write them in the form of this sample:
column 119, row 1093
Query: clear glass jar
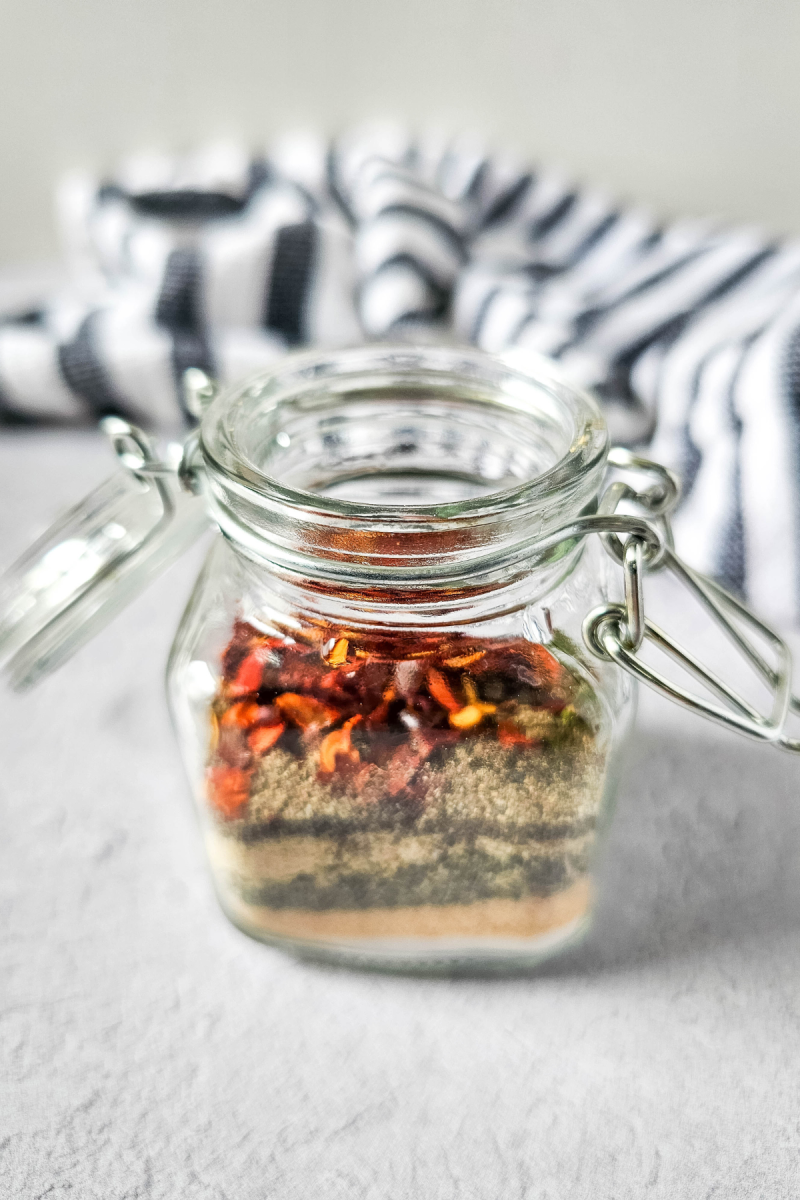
column 401, row 753
column 401, row 685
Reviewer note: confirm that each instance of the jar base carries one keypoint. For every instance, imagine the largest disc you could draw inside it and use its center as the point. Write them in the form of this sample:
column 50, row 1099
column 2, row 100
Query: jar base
column 488, row 935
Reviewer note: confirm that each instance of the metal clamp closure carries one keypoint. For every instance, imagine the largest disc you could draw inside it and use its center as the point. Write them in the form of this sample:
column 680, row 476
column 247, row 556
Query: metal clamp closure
column 616, row 632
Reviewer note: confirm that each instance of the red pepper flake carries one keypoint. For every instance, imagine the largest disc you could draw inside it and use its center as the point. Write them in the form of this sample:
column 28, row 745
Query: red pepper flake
column 242, row 714
column 228, row 790
column 509, row 735
column 310, row 635
column 242, row 638
column 380, row 715
column 408, row 674
column 300, row 670
column 250, row 673
column 464, row 660
column 412, row 697
column 264, row 738
column 471, row 715
column 335, row 651
column 232, row 747
column 306, row 712
column 338, row 745
column 266, row 714
column 548, row 668
column 440, row 690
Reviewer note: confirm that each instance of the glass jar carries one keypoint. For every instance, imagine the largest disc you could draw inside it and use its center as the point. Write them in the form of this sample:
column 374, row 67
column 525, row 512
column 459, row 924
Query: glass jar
column 400, row 751
column 402, row 683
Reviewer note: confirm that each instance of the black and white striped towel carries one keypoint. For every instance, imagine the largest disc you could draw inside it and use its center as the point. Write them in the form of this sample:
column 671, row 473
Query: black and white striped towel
column 688, row 332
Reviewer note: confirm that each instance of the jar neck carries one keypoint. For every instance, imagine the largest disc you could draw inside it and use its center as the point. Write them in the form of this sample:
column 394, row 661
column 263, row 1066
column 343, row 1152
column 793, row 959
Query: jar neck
column 271, row 597
column 410, row 476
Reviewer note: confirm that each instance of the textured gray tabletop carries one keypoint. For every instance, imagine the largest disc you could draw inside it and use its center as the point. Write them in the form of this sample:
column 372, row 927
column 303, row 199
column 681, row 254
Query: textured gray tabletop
column 151, row 1050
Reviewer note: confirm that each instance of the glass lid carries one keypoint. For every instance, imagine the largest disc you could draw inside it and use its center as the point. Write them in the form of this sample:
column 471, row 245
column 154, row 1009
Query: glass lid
column 95, row 558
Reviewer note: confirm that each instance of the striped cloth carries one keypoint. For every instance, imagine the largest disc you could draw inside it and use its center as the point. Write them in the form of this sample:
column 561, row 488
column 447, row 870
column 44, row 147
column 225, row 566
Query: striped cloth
column 689, row 333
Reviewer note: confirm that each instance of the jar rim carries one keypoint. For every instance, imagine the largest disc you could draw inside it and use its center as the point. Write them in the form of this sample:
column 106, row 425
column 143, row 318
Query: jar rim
column 313, row 535
column 222, row 425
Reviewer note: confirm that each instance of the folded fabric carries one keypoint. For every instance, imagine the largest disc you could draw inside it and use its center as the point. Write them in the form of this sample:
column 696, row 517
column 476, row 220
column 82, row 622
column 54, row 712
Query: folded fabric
column 688, row 333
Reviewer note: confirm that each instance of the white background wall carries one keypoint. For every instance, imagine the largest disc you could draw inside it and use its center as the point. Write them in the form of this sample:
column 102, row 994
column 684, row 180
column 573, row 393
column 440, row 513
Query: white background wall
column 690, row 105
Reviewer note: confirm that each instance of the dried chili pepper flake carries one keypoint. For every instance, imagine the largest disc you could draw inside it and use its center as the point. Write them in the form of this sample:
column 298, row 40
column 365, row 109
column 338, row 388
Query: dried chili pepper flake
column 471, row 715
column 335, row 651
column 228, row 790
column 440, row 690
column 243, row 714
column 307, row 635
column 264, row 738
column 509, row 735
column 335, row 744
column 380, row 714
column 338, row 745
column 430, row 711
column 213, row 732
column 232, row 747
column 298, row 672
column 266, row 714
column 236, row 649
column 464, row 660
column 551, row 673
column 408, row 676
column 331, row 680
column 250, row 672
column 337, row 688
column 469, row 689
column 306, row 712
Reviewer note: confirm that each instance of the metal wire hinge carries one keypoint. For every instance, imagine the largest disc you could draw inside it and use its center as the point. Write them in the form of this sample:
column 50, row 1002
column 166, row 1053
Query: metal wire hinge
column 616, row 632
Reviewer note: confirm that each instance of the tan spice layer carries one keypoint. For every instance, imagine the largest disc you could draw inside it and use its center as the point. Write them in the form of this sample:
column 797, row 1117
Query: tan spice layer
column 529, row 917
column 380, row 853
column 481, row 783
column 490, row 829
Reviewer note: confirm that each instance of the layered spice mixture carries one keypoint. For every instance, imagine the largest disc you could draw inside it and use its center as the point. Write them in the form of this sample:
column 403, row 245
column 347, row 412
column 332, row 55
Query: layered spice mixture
column 401, row 788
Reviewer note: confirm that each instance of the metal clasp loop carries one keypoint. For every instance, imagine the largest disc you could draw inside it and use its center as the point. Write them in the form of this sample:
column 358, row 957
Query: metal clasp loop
column 616, row 632
column 633, row 565
column 605, row 635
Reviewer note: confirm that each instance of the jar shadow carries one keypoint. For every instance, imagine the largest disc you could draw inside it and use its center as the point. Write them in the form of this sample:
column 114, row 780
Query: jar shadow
column 703, row 849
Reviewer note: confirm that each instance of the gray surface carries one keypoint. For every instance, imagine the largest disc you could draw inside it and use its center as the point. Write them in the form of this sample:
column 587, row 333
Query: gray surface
column 150, row 1050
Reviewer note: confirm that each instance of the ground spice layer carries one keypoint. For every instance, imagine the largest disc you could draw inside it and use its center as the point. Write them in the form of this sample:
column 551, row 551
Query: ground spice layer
column 347, row 777
column 528, row 918
column 494, row 825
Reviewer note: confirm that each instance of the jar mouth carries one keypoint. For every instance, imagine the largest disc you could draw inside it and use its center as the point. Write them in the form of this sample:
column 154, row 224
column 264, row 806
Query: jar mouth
column 400, row 457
